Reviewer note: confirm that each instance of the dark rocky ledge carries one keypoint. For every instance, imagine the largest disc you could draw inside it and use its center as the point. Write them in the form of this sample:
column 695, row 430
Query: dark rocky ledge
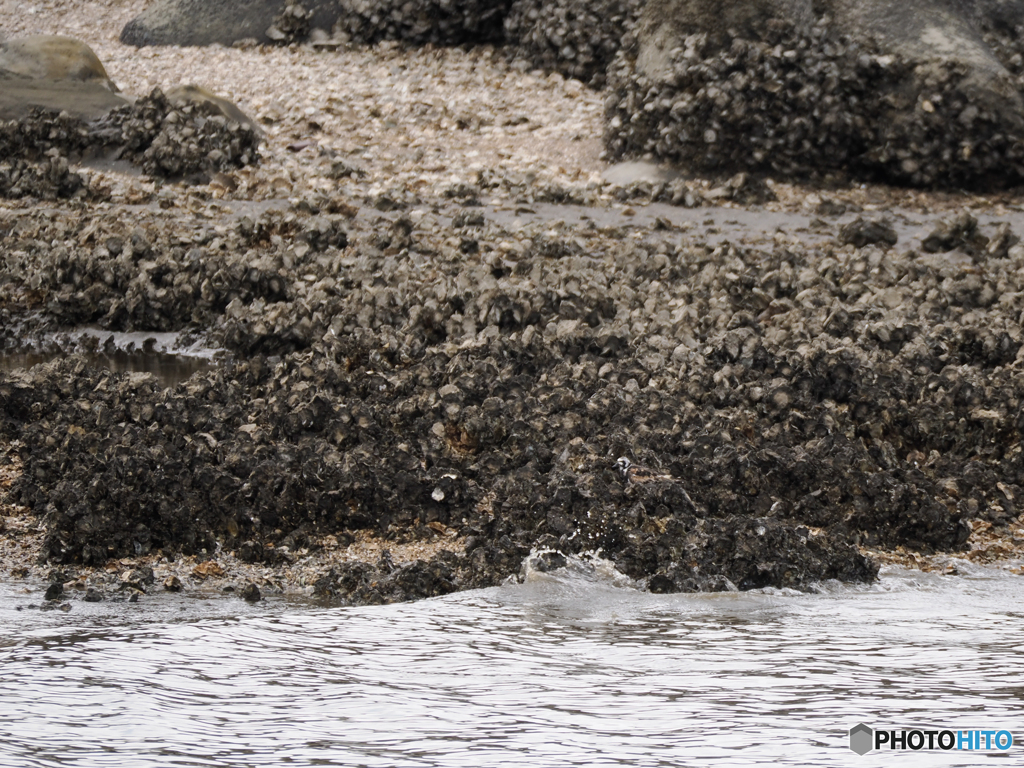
column 396, row 381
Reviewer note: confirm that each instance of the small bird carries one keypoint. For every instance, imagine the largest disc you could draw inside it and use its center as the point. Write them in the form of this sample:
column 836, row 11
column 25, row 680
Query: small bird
column 634, row 473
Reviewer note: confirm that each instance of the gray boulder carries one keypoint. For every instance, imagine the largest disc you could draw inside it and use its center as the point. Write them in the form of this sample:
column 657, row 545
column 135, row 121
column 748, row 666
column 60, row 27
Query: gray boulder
column 51, row 57
column 206, row 22
column 54, row 73
column 925, row 92
column 934, row 35
column 664, row 24
column 88, row 101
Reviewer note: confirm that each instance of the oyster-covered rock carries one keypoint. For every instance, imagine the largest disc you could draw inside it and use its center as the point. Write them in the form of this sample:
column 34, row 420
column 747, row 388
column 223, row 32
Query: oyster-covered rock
column 578, row 38
column 911, row 93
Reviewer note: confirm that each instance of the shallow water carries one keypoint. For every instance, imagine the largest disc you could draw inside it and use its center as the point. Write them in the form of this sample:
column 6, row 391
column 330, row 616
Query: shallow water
column 162, row 354
column 168, row 369
column 563, row 670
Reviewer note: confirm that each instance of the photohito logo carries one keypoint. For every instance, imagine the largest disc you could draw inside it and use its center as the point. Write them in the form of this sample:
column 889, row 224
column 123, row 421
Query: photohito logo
column 863, row 739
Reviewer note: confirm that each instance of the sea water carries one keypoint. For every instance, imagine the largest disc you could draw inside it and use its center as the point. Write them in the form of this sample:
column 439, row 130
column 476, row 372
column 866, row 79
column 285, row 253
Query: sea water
column 572, row 668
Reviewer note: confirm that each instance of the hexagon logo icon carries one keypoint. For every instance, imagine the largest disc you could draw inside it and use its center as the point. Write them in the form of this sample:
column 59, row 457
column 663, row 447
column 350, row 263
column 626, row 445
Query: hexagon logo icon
column 860, row 739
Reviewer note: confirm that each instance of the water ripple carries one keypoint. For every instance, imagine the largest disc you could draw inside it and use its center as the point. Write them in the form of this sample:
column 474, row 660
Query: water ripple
column 553, row 672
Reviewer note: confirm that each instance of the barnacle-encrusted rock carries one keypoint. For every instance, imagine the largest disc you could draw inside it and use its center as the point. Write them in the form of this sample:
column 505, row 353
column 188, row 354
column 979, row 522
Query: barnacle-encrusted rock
column 60, row 105
column 906, row 92
column 42, row 134
column 444, row 22
column 794, row 403
column 443, row 354
column 201, row 22
column 191, row 134
column 959, row 231
column 291, row 25
column 35, row 153
column 175, row 140
column 868, row 231
column 250, row 593
column 363, row 583
column 209, row 103
column 578, row 38
column 575, row 37
column 49, row 179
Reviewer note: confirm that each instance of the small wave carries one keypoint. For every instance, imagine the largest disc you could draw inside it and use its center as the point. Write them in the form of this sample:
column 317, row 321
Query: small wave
column 550, row 565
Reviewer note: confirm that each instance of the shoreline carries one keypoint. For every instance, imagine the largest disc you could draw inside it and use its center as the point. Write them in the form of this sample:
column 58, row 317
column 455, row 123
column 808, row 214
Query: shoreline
column 21, row 538
column 224, row 573
column 446, row 325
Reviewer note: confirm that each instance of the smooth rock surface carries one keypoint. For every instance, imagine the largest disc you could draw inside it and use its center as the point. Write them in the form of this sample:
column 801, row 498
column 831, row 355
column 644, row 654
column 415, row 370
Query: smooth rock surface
column 88, row 101
column 205, row 22
column 56, row 73
column 51, row 57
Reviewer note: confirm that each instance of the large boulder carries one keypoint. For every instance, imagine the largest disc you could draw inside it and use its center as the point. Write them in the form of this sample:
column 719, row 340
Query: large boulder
column 20, row 95
column 916, row 91
column 205, row 22
column 53, row 73
column 52, row 57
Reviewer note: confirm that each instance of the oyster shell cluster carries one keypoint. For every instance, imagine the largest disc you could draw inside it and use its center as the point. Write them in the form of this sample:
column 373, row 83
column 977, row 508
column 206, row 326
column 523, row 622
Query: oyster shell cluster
column 578, row 38
column 190, row 140
column 33, row 156
column 179, row 140
column 795, row 400
column 444, row 22
column 48, row 179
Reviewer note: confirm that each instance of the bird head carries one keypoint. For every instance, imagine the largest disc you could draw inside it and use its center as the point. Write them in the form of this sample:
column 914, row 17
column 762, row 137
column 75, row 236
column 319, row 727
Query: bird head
column 623, row 465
